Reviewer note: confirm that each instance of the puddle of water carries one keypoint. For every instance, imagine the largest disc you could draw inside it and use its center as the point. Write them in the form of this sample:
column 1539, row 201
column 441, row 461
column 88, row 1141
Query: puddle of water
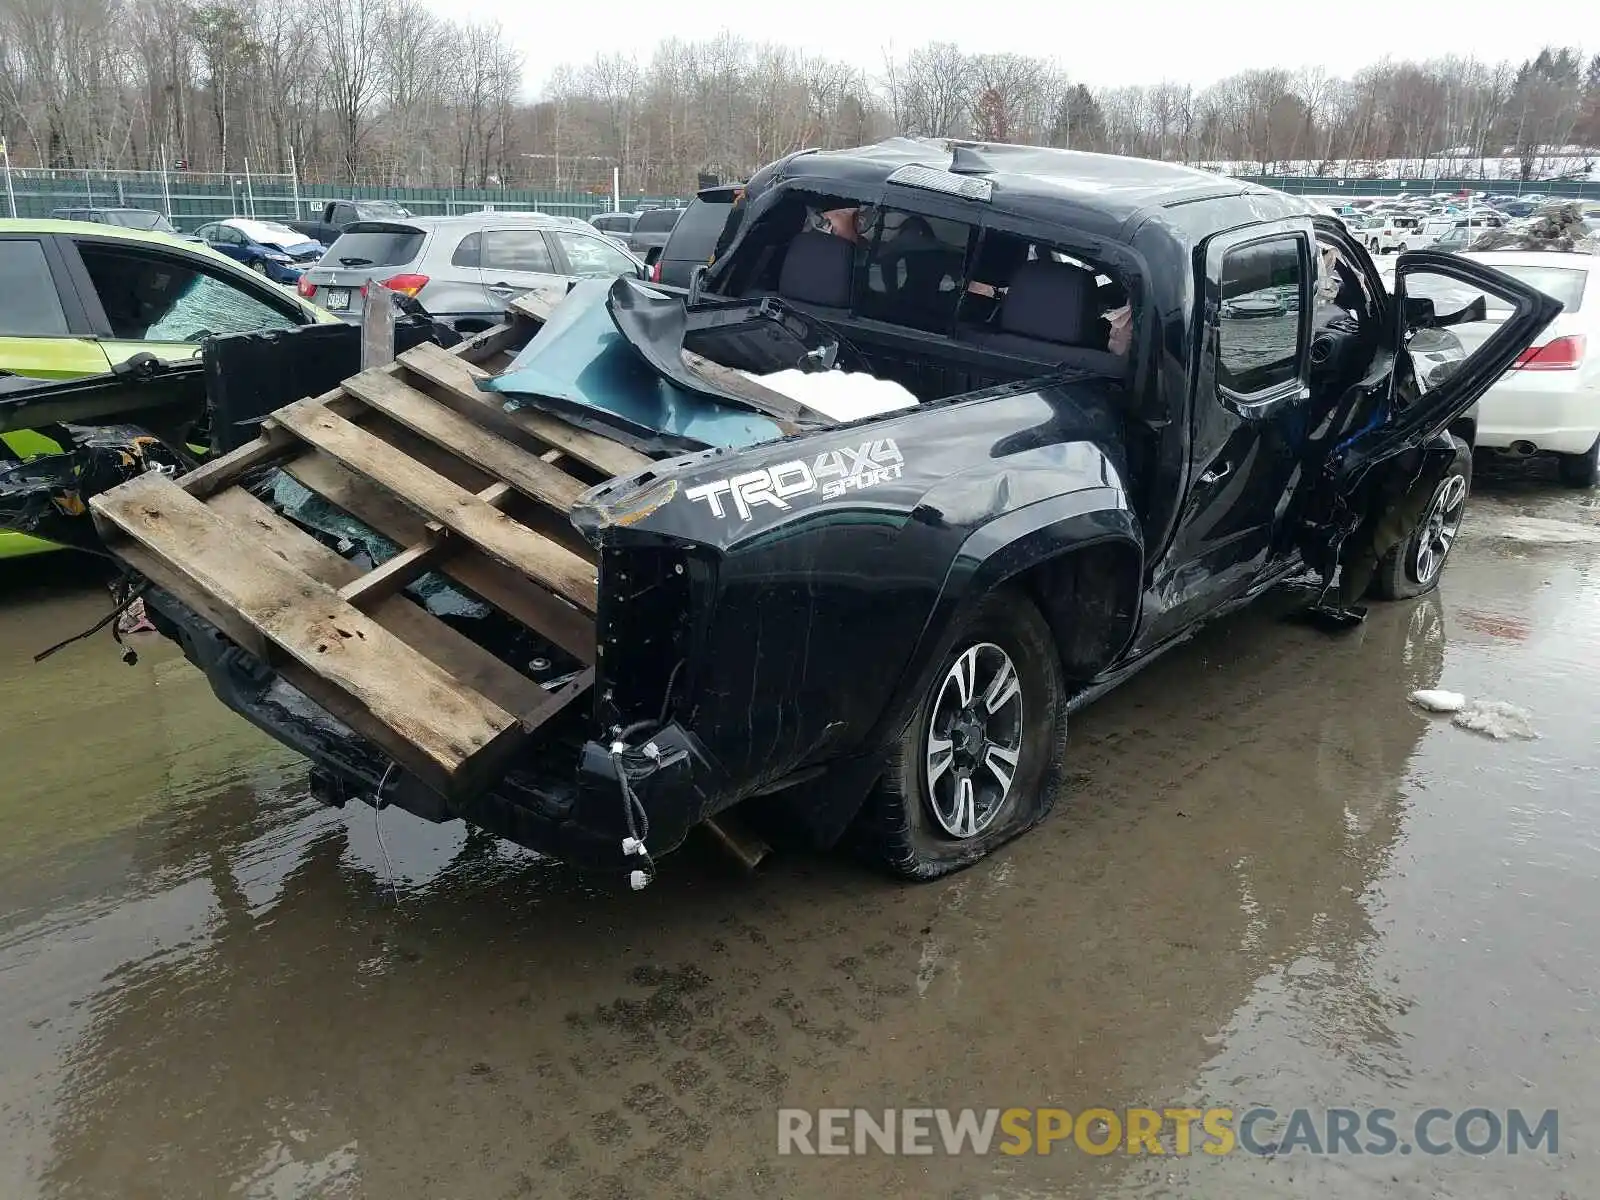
column 1273, row 881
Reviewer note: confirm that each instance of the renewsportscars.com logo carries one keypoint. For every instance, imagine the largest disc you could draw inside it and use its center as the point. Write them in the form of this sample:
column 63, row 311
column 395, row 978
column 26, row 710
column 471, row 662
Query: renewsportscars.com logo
column 1165, row 1131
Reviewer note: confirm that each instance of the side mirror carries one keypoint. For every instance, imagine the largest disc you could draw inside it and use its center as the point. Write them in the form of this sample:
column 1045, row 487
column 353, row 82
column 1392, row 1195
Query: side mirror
column 1419, row 312
column 1478, row 310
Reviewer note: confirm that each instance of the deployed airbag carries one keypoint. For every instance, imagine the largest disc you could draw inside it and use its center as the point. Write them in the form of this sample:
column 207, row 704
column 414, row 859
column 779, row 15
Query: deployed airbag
column 839, row 395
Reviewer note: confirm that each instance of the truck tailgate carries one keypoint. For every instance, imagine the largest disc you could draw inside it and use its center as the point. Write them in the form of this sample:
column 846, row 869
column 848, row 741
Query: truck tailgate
column 418, row 454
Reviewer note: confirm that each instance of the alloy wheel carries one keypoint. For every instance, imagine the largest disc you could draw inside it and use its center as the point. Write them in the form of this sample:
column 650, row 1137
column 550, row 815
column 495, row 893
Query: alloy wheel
column 1439, row 528
column 974, row 740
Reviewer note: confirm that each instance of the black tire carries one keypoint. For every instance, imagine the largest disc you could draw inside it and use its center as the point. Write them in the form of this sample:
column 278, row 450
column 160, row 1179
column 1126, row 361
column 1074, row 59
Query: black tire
column 1404, row 573
column 902, row 831
column 1400, row 249
column 1580, row 470
column 259, row 266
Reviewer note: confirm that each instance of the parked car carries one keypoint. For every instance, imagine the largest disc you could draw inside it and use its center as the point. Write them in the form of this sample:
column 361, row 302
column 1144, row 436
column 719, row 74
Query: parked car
column 650, row 232
column 266, row 247
column 881, row 622
column 1452, row 239
column 694, row 237
column 337, row 214
column 128, row 218
column 1548, row 403
column 1391, row 231
column 617, row 225
column 77, row 301
column 465, row 269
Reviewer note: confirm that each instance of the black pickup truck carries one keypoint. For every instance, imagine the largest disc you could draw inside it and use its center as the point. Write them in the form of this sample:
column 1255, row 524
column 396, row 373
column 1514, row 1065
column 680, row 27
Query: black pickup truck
column 1136, row 396
column 336, row 214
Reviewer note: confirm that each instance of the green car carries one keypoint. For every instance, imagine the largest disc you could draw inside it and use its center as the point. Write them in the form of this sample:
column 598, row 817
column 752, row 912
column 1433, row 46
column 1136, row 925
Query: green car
column 77, row 298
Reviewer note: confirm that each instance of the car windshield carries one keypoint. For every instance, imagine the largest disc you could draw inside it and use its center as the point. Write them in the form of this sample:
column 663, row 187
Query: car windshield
column 657, row 220
column 378, row 209
column 140, row 218
column 270, row 233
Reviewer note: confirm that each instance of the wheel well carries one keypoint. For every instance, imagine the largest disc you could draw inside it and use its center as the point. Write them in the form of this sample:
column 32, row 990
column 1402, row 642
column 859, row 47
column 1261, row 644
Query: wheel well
column 1090, row 598
column 1465, row 428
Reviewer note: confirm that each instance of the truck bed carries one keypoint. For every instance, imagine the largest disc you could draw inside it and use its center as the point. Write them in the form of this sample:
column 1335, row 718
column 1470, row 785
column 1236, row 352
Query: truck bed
column 415, row 452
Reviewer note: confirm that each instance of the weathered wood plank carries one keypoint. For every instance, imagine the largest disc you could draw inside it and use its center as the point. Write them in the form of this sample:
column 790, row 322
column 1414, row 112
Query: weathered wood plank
column 467, row 439
column 208, row 478
column 435, row 726
column 511, row 335
column 411, row 623
column 391, row 576
column 537, row 306
column 461, row 378
column 545, row 614
column 450, row 505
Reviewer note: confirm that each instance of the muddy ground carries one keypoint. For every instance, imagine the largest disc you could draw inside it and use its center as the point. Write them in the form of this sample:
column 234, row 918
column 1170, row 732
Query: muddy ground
column 1273, row 882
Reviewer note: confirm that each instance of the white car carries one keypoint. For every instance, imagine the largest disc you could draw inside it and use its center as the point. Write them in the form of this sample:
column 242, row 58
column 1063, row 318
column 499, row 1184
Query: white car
column 1548, row 403
column 1391, row 231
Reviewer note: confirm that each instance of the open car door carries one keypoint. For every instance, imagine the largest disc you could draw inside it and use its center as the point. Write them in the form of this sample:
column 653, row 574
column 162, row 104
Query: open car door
column 1458, row 325
column 1434, row 294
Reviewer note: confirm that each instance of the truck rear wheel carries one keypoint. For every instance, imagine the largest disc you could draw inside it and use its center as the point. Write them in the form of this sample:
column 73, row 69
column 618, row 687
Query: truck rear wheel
column 981, row 759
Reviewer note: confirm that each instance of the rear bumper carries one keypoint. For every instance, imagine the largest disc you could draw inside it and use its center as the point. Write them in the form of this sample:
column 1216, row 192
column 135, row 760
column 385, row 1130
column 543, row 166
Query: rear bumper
column 564, row 797
column 1555, row 411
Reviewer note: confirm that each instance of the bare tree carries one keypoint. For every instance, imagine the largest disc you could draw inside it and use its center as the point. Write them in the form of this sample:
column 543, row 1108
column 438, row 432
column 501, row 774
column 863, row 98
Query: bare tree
column 352, row 71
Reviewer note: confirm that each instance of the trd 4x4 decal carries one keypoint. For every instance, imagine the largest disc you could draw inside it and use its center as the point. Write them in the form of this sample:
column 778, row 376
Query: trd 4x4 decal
column 832, row 473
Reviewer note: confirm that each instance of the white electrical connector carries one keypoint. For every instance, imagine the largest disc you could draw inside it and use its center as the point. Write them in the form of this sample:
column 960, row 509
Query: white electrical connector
column 638, row 880
column 632, row 845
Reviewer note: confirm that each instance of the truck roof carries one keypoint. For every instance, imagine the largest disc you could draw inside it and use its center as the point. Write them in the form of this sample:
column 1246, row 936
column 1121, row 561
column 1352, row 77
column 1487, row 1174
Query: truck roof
column 1032, row 182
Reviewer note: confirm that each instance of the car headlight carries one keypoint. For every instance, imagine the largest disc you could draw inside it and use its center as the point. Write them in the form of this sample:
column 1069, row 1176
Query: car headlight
column 274, row 256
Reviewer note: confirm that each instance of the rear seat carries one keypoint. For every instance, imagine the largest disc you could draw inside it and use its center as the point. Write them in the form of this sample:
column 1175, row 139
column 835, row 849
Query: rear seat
column 817, row 271
column 1051, row 314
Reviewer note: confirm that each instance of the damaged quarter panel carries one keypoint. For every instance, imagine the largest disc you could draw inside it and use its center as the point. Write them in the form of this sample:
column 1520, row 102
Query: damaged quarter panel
column 811, row 582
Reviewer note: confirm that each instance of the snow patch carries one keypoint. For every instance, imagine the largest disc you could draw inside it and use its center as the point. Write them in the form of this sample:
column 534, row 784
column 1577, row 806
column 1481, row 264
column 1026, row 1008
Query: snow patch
column 1437, row 701
column 1497, row 719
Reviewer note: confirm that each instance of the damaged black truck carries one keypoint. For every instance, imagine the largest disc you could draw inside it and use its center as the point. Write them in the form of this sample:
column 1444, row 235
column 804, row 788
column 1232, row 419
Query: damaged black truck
column 1135, row 396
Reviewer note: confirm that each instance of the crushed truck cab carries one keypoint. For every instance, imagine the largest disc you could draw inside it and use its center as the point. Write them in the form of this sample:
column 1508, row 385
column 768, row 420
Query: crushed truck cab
column 948, row 439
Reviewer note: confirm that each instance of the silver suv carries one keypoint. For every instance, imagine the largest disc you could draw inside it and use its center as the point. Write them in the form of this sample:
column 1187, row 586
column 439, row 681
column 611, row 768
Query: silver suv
column 464, row 270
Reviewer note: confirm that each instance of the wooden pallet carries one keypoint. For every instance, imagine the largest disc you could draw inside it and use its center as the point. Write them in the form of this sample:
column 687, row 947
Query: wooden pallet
column 415, row 452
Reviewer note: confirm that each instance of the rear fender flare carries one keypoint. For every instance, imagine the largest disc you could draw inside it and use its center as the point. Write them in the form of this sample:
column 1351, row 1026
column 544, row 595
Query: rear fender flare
column 998, row 552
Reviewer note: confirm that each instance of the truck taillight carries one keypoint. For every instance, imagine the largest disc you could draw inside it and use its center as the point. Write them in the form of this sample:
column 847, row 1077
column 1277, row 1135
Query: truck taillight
column 1558, row 354
column 406, row 285
column 306, row 288
column 655, row 272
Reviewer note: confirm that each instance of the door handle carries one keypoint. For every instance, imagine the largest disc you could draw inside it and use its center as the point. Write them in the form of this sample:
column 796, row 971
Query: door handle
column 1219, row 472
column 502, row 287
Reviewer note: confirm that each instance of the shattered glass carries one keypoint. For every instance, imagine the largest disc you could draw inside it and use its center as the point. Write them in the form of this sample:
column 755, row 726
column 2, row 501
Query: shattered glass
column 356, row 541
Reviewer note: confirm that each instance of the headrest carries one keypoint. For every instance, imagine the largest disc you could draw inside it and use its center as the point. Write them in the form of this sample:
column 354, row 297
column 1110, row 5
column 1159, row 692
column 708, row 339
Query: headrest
column 1054, row 302
column 817, row 269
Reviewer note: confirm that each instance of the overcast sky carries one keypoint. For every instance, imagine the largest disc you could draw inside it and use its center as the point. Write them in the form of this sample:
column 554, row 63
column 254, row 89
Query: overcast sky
column 1158, row 39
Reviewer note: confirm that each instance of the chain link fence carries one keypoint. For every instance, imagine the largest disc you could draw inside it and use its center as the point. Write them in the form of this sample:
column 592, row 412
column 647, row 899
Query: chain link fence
column 193, row 198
